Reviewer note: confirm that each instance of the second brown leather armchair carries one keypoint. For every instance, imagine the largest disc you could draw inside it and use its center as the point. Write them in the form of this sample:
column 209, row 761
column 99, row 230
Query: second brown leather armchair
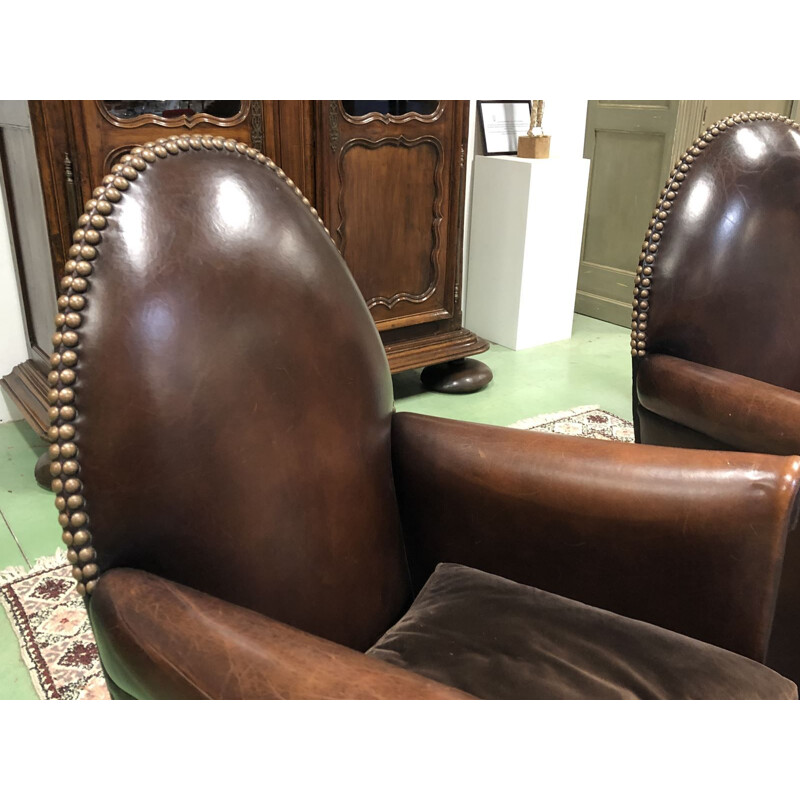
column 248, row 517
column 715, row 318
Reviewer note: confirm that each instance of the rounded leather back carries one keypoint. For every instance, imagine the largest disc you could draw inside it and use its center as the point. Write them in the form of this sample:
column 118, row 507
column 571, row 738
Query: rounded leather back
column 234, row 400
column 724, row 278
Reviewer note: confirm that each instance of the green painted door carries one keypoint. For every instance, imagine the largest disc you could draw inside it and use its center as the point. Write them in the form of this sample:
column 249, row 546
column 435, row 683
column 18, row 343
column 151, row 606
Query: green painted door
column 629, row 143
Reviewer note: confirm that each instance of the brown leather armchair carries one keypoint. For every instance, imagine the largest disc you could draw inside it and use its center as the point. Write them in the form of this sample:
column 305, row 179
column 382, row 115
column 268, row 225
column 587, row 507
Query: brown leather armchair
column 715, row 317
column 248, row 518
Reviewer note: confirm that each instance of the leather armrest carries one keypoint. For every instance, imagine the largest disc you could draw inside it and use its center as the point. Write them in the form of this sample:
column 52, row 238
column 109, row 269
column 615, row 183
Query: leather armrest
column 161, row 640
column 689, row 540
column 741, row 412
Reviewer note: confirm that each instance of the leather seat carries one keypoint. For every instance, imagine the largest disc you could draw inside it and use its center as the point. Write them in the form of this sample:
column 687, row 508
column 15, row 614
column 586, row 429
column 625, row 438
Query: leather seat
column 715, row 314
column 501, row 640
column 247, row 515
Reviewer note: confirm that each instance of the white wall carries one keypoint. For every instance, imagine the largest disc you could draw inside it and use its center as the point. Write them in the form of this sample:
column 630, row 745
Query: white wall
column 565, row 122
column 13, row 344
column 13, row 339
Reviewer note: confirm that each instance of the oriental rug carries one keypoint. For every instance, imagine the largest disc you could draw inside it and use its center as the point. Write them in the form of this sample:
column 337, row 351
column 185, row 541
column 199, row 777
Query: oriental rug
column 590, row 422
column 55, row 636
column 49, row 617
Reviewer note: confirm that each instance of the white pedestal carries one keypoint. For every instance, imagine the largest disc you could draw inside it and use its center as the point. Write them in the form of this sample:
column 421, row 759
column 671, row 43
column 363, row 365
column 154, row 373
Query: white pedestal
column 525, row 242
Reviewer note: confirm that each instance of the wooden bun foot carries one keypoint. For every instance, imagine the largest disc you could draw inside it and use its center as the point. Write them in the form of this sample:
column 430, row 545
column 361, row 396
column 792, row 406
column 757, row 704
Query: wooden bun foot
column 462, row 376
column 42, row 471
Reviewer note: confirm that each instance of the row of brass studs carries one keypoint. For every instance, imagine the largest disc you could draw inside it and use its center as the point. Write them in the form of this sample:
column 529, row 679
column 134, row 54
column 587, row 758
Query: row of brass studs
column 644, row 272
column 64, row 455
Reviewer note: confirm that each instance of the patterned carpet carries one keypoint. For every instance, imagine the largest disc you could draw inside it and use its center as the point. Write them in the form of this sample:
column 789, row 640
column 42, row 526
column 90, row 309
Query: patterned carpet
column 51, row 624
column 590, row 422
column 49, row 616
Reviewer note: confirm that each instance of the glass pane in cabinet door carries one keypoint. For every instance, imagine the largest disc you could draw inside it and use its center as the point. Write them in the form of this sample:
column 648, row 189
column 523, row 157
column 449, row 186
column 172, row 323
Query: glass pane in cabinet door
column 394, row 108
column 170, row 109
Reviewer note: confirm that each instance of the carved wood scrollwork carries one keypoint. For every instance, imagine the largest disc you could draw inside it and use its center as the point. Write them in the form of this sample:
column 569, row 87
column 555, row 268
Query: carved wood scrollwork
column 436, row 215
column 73, row 203
column 257, row 125
column 386, row 119
column 333, row 126
column 182, row 121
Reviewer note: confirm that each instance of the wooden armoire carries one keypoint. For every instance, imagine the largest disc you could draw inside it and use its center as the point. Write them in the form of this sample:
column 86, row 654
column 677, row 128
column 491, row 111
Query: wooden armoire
column 387, row 177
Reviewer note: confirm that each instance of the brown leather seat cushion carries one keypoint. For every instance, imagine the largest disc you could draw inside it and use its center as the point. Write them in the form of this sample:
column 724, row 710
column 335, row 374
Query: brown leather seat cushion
column 498, row 639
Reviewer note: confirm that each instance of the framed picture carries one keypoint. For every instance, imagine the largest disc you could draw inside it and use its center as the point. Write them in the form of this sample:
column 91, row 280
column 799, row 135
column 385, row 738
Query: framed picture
column 502, row 123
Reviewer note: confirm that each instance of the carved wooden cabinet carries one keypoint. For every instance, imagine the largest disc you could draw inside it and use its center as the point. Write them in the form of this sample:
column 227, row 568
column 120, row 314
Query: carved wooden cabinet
column 388, row 179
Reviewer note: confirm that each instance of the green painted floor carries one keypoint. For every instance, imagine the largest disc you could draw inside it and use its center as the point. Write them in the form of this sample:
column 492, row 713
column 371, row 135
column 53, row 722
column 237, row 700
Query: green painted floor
column 593, row 367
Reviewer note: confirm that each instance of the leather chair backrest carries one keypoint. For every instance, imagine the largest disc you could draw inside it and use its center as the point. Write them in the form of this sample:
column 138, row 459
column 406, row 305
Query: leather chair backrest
column 719, row 279
column 232, row 398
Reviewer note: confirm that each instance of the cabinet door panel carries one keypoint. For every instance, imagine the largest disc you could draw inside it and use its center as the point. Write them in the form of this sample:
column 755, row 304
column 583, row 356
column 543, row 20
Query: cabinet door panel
column 390, row 219
column 387, row 199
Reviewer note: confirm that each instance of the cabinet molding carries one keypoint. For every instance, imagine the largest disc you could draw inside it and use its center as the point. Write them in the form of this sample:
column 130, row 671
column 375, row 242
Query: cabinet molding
column 402, row 294
column 180, row 121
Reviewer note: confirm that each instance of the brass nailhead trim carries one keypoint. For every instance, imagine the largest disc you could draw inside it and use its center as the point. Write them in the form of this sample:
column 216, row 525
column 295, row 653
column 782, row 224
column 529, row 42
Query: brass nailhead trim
column 72, row 303
column 645, row 274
